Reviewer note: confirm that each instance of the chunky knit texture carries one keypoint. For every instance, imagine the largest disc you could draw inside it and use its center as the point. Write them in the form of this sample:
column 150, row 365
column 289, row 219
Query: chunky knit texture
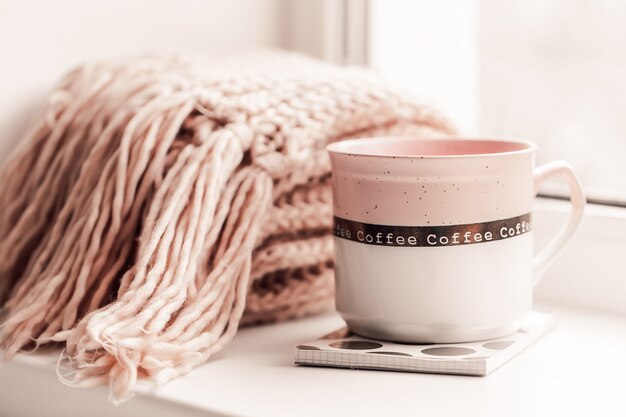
column 162, row 202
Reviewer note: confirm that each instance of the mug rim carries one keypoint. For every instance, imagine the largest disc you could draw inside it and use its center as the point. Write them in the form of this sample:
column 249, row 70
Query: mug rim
column 346, row 147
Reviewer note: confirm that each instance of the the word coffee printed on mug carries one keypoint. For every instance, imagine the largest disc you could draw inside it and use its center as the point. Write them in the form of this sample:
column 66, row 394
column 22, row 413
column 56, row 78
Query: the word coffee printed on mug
column 448, row 235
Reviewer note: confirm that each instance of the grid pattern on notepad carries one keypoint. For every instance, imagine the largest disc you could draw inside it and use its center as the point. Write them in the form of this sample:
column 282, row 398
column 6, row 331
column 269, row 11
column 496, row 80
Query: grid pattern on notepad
column 340, row 359
column 472, row 358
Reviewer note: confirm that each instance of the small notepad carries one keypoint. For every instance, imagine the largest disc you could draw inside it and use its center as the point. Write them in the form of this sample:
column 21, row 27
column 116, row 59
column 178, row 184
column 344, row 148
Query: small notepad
column 342, row 349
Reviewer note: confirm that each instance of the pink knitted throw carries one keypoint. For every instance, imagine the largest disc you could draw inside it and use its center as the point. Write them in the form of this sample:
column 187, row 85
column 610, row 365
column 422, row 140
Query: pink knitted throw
column 162, row 202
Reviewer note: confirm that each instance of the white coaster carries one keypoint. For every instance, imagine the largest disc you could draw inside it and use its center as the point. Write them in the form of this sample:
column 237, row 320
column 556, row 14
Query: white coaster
column 342, row 349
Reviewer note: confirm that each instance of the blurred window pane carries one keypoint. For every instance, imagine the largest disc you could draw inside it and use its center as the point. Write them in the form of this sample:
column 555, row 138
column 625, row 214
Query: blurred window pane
column 555, row 71
column 551, row 71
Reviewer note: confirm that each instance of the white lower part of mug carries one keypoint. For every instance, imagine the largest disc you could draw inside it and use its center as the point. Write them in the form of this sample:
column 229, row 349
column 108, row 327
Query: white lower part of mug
column 447, row 294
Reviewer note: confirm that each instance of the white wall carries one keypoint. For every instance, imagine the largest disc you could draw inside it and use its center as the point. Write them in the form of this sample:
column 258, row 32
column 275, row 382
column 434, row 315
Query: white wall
column 39, row 40
column 306, row 24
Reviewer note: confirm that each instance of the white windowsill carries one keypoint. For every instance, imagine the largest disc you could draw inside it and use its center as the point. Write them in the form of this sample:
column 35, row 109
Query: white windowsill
column 575, row 370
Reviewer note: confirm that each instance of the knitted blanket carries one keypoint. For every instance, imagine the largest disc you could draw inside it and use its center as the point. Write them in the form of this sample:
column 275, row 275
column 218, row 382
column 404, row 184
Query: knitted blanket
column 161, row 202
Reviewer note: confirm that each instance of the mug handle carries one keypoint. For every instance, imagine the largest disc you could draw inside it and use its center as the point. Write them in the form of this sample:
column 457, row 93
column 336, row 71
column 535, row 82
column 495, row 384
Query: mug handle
column 544, row 258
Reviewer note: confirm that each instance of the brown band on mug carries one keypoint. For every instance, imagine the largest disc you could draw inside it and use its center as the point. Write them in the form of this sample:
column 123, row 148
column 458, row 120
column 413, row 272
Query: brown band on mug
column 431, row 236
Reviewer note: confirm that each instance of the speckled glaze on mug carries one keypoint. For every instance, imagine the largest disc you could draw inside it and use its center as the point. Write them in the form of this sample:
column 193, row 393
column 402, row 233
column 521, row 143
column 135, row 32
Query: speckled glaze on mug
column 433, row 238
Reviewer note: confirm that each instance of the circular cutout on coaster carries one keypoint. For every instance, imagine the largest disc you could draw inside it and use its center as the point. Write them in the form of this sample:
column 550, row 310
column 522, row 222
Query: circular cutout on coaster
column 307, row 347
column 499, row 345
column 448, row 351
column 356, row 345
column 382, row 352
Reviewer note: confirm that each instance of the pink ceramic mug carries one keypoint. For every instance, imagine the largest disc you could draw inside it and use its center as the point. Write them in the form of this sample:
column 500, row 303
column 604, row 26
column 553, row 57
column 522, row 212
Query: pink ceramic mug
column 433, row 238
